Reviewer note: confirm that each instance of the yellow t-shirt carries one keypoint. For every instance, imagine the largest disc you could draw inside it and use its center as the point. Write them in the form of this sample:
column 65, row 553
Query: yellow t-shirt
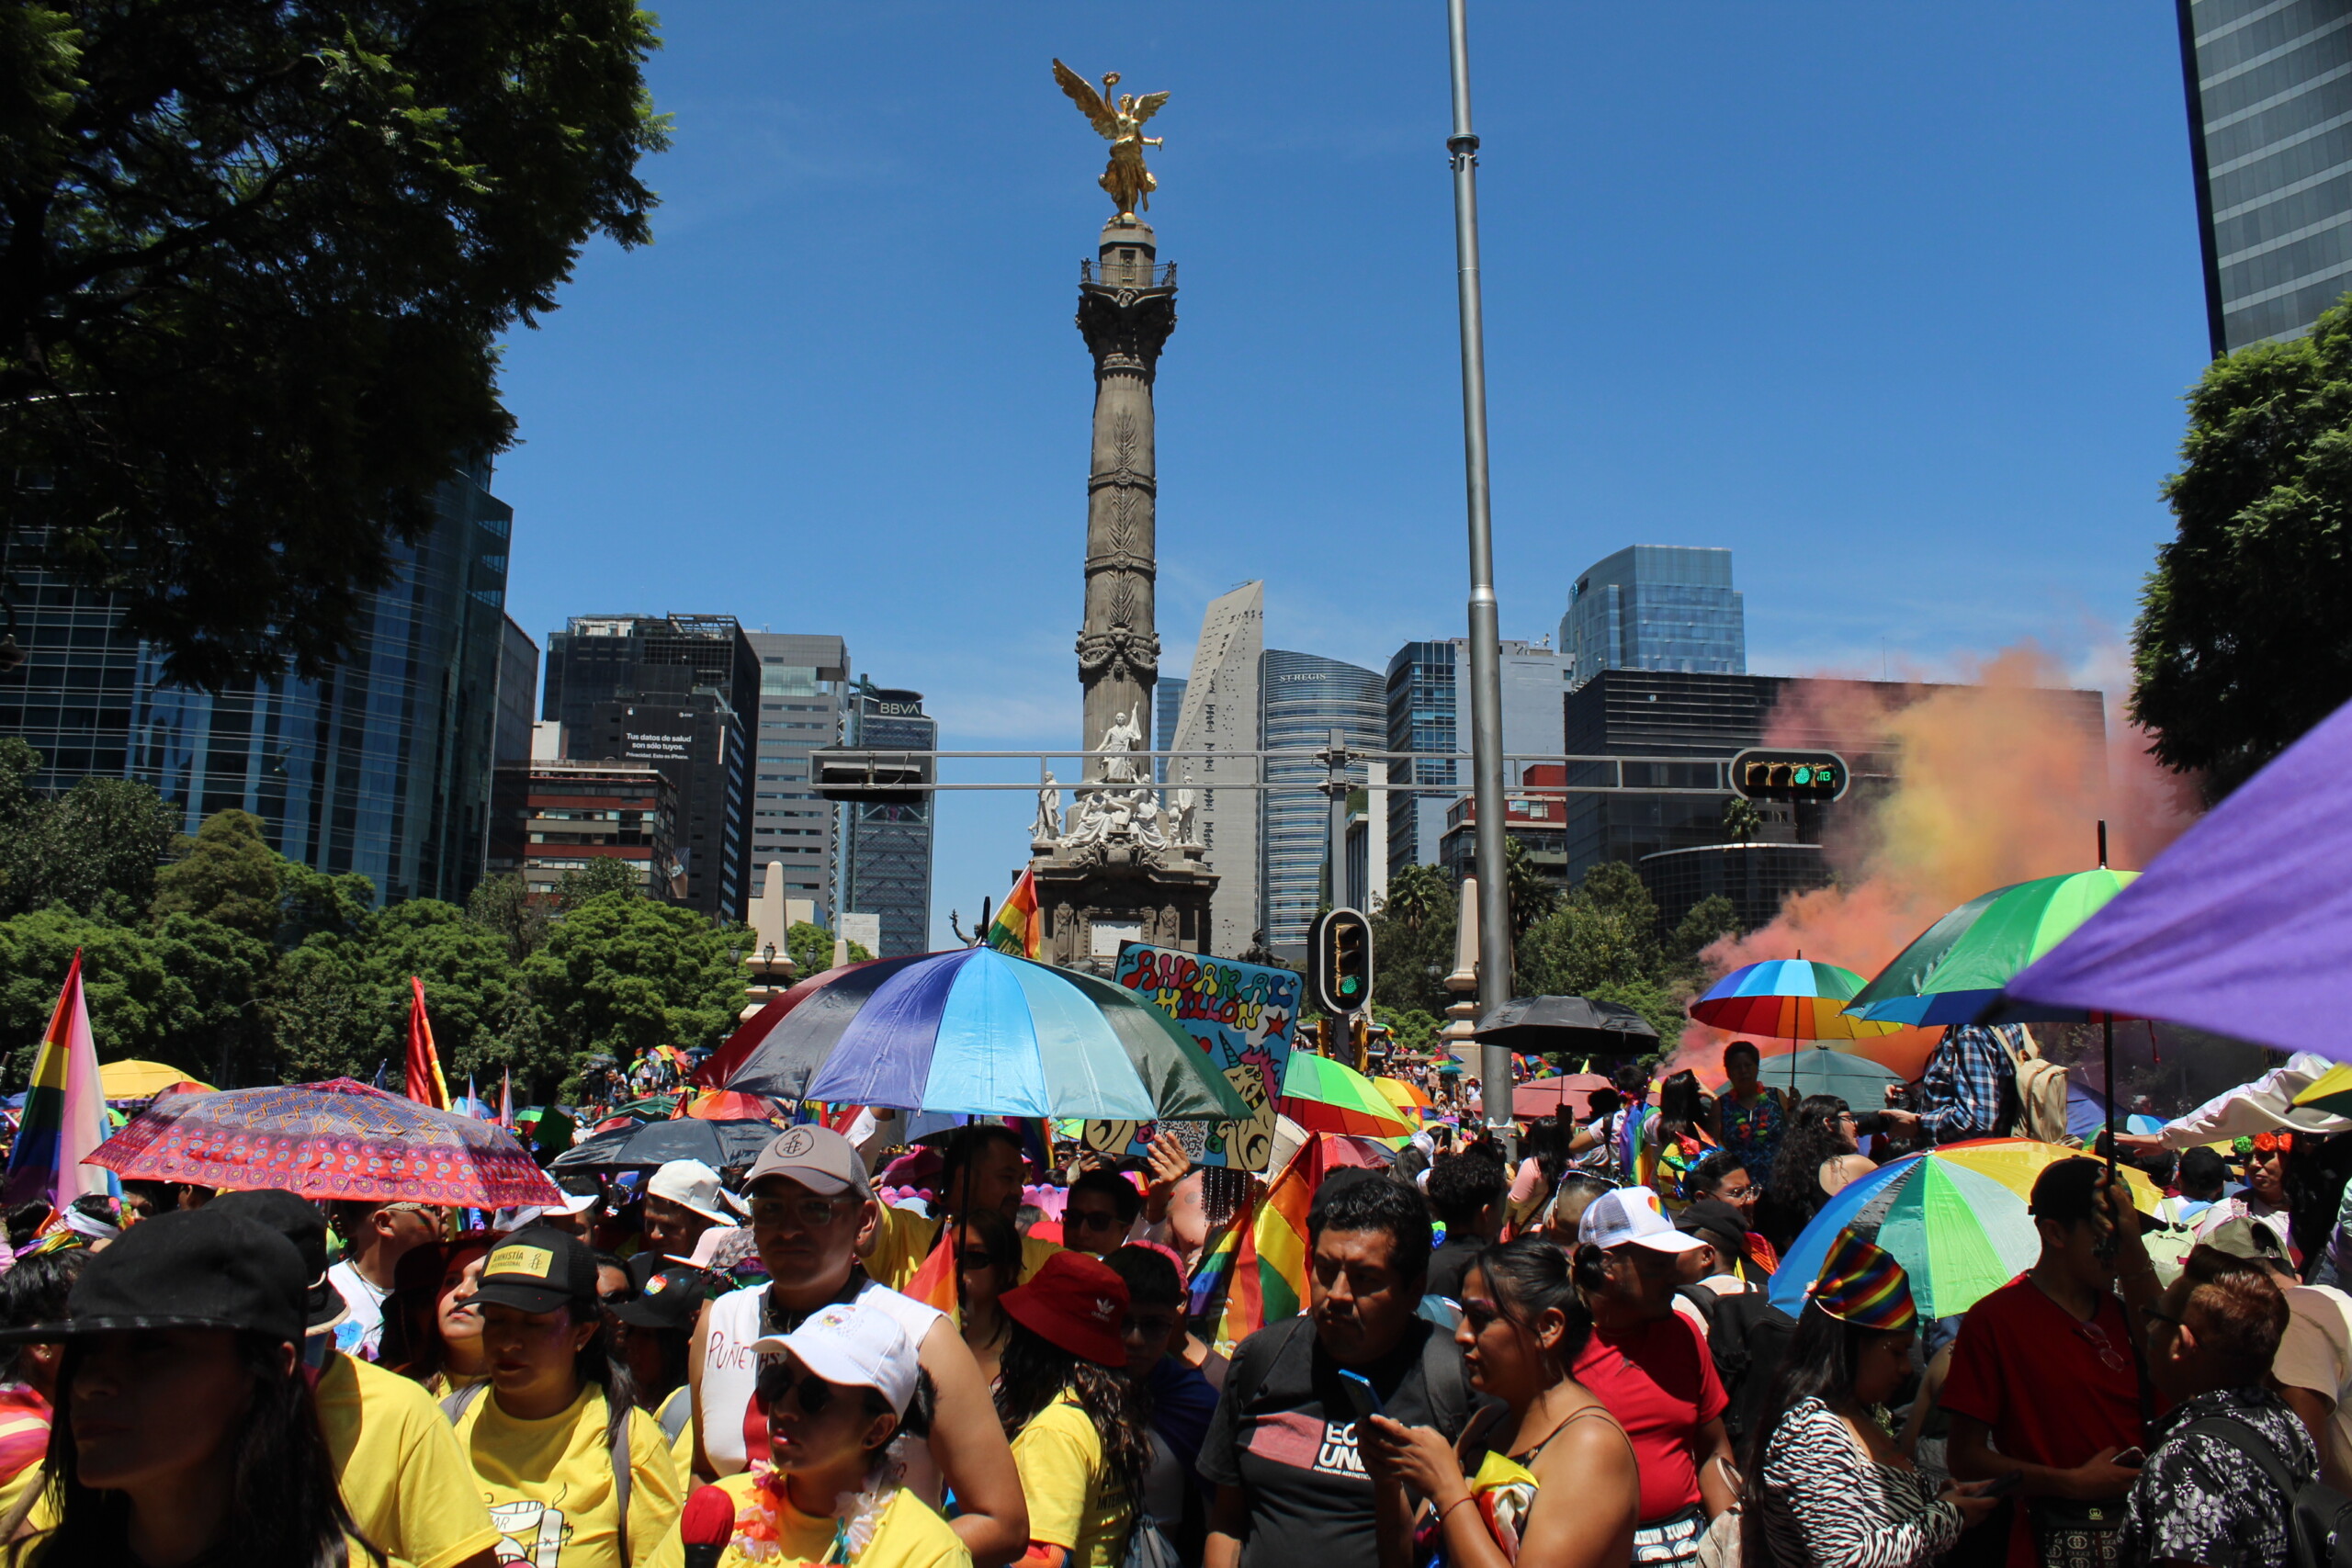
column 905, row 1238
column 550, row 1485
column 29, row 1552
column 909, row 1534
column 404, row 1478
column 1074, row 1500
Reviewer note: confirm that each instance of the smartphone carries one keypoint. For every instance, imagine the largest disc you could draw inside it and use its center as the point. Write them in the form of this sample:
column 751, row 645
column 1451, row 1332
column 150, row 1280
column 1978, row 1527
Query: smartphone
column 1361, row 1395
column 2001, row 1486
column 2132, row 1459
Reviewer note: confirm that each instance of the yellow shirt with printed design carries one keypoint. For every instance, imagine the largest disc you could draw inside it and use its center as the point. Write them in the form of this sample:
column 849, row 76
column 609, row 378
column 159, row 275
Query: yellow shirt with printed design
column 550, row 1485
column 1074, row 1500
column 905, row 1238
column 909, row 1534
column 404, row 1478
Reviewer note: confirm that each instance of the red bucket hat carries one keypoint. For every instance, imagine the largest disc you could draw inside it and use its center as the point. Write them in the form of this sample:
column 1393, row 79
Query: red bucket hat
column 1077, row 1302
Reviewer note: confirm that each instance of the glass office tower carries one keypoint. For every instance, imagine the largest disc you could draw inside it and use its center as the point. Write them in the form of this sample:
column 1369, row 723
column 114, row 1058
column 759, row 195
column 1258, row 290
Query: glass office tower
column 1656, row 607
column 802, row 680
column 2269, row 87
column 886, row 849
column 383, row 767
column 1302, row 698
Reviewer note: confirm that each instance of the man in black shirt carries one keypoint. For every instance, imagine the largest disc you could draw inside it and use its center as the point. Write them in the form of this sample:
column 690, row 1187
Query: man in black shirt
column 1282, row 1448
column 1470, row 1192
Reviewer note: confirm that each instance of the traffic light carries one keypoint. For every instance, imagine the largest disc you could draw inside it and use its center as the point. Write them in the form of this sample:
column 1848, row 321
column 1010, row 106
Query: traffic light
column 870, row 778
column 1339, row 962
column 1789, row 775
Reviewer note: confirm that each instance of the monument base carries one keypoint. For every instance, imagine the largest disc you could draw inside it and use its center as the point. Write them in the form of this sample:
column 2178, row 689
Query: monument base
column 1093, row 903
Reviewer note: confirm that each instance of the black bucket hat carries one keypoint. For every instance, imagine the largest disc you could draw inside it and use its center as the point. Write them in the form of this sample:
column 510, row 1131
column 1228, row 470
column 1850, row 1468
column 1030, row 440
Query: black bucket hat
column 297, row 1219
column 192, row 1269
column 671, row 1299
column 538, row 1269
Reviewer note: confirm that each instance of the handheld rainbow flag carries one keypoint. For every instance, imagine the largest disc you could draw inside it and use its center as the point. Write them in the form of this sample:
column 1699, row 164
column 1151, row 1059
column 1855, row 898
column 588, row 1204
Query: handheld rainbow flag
column 1020, row 925
column 425, row 1084
column 65, row 1113
column 1261, row 1258
column 934, row 1285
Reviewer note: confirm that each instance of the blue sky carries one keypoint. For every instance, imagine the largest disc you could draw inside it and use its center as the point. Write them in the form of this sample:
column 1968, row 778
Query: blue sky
column 1896, row 300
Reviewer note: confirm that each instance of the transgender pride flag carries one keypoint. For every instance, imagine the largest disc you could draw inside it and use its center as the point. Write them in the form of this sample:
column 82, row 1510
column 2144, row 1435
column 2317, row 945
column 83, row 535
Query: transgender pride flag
column 65, row 1113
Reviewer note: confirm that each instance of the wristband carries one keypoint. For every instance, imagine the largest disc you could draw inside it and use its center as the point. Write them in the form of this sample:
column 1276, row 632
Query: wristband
column 1465, row 1497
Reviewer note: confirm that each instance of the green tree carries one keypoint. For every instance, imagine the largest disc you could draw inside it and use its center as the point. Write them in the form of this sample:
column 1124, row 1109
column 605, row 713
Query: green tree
column 135, row 1008
column 2242, row 643
column 1412, row 940
column 226, row 874
column 1709, row 922
column 1531, row 893
column 602, row 874
column 260, row 257
column 1742, row 821
column 811, row 948
column 505, row 904
column 223, row 1028
column 101, row 837
column 619, row 974
column 1602, row 942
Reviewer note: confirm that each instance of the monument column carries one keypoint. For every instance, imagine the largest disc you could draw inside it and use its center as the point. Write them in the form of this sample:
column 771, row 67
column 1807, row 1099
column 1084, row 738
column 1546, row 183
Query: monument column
column 1126, row 308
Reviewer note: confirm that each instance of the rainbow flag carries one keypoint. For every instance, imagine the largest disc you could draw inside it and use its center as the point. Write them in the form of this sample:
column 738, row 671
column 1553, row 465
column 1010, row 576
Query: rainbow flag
column 934, row 1285
column 65, row 1113
column 425, row 1084
column 1020, row 926
column 1262, row 1256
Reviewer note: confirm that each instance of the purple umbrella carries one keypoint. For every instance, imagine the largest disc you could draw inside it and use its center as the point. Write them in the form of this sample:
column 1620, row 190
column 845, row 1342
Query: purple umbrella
column 2243, row 927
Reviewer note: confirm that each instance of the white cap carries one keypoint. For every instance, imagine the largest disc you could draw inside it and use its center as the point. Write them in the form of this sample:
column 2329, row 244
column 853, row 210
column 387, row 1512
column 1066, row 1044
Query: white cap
column 1631, row 1215
column 690, row 1184
column 854, row 1347
column 507, row 1220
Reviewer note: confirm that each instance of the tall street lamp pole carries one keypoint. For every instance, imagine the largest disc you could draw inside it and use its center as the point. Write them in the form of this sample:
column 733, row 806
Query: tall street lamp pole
column 1485, row 632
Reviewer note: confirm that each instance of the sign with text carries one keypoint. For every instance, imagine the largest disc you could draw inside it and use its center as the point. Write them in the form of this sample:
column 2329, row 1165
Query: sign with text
column 1244, row 1018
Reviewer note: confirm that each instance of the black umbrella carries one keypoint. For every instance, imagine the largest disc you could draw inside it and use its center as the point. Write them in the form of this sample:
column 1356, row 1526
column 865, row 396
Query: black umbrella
column 717, row 1143
column 1535, row 1025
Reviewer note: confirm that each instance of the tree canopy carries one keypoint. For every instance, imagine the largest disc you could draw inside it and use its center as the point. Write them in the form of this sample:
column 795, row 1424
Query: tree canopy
column 2242, row 643
column 259, row 256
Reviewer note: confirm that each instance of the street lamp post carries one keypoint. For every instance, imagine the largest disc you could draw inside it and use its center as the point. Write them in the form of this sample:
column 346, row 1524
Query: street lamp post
column 1485, row 630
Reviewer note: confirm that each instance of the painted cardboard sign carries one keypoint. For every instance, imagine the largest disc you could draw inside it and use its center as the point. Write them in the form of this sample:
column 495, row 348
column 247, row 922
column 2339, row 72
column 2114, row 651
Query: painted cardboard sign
column 1244, row 1019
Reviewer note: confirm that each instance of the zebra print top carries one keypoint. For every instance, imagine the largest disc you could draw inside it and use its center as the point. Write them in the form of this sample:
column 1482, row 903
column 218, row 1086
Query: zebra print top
column 1826, row 1504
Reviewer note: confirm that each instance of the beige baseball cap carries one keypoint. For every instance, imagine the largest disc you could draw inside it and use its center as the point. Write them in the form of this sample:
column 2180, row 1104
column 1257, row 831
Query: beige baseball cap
column 818, row 1158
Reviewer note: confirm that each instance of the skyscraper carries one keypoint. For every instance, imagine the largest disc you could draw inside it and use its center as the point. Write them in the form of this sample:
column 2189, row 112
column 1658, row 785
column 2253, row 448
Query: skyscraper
column 1428, row 709
column 382, row 767
column 1167, row 704
column 1302, row 698
column 1656, row 607
column 803, row 682
column 1219, row 713
column 2269, row 86
column 679, row 692
column 886, row 849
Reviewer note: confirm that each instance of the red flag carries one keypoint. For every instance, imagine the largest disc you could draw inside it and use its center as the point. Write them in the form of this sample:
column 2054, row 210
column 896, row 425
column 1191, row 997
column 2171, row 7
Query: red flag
column 425, row 1084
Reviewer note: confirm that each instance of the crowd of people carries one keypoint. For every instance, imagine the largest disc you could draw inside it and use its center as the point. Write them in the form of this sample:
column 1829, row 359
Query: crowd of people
column 856, row 1353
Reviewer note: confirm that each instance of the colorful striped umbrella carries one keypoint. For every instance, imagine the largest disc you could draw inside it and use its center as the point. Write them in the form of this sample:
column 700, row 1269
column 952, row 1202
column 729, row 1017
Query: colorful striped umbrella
column 1408, row 1098
column 1818, row 1068
column 1954, row 1217
column 142, row 1080
column 1787, row 998
column 978, row 1031
column 336, row 1139
column 726, row 1105
column 1957, row 966
column 1325, row 1096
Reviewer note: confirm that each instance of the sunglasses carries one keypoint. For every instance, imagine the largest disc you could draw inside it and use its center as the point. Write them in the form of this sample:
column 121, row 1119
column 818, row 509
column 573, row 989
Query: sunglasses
column 809, row 1391
column 1093, row 1220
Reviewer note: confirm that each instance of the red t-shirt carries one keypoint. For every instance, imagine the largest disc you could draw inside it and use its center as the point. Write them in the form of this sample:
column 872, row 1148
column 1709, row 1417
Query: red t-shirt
column 1660, row 1383
column 2051, row 1389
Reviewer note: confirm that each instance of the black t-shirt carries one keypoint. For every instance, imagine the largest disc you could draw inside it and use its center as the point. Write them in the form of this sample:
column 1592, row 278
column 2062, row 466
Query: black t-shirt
column 1286, row 1432
column 1449, row 1262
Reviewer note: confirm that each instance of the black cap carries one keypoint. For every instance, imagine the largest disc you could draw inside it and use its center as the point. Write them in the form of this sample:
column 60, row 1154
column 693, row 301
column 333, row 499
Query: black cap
column 297, row 1219
column 1717, row 1222
column 670, row 1299
column 189, row 1268
column 538, row 1269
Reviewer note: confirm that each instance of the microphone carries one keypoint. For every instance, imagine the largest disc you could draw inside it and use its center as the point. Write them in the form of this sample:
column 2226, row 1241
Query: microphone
column 707, row 1526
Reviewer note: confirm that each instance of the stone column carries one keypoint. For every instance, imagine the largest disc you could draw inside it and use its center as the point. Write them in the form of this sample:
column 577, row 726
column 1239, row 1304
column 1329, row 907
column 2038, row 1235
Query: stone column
column 1126, row 308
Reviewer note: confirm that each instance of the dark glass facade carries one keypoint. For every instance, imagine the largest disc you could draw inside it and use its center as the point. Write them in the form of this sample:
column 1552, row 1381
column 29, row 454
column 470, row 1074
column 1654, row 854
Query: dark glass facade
column 803, row 680
column 381, row 768
column 1421, row 695
column 1656, row 607
column 1167, row 703
column 886, row 849
column 2269, row 88
column 1301, row 699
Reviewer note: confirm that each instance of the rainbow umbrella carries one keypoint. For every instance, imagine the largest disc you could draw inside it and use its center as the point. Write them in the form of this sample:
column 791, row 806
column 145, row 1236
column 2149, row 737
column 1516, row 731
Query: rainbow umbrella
column 1954, row 1217
column 1323, row 1096
column 1955, row 969
column 726, row 1105
column 977, row 1031
column 1788, row 999
column 336, row 1139
column 1406, row 1096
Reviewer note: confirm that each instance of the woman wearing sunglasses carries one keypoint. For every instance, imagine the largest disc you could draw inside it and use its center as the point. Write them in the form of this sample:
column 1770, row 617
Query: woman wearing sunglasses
column 989, row 1260
column 1548, row 1480
column 2267, row 1159
column 845, row 1386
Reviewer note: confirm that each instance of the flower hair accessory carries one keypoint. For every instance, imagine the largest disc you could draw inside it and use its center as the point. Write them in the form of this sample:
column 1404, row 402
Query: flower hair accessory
column 2263, row 1142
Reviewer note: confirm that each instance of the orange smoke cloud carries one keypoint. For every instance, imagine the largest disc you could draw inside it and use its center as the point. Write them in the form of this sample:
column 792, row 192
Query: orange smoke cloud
column 1993, row 787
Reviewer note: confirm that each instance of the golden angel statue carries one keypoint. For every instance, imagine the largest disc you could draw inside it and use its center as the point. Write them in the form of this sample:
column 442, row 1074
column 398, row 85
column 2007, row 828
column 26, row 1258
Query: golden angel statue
column 1121, row 122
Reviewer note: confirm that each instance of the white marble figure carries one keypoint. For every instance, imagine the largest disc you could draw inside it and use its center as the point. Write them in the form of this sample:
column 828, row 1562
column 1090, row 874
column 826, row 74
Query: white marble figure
column 1187, row 816
column 1122, row 737
column 1048, row 825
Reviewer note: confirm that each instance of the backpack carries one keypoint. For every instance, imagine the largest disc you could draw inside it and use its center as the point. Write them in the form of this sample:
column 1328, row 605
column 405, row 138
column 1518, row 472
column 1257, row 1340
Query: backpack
column 2319, row 1517
column 2040, row 1093
column 457, row 1403
column 1746, row 1337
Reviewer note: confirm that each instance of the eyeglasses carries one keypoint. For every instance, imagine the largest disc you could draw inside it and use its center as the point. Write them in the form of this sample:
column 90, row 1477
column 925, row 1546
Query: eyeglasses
column 1739, row 1194
column 2113, row 1360
column 811, row 1214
